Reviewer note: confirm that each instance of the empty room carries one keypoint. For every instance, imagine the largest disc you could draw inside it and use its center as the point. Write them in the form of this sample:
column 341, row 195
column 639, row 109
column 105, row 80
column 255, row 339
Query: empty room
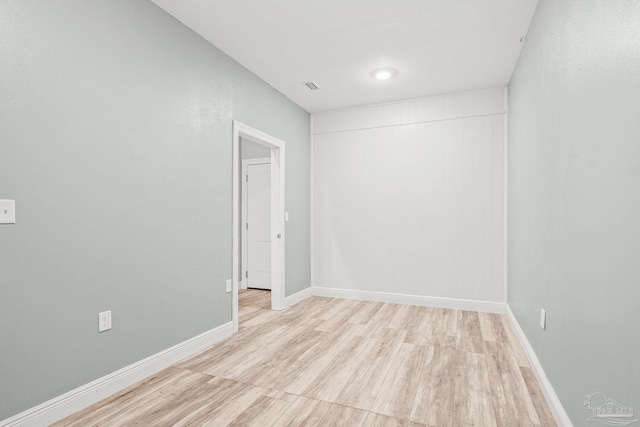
column 343, row 213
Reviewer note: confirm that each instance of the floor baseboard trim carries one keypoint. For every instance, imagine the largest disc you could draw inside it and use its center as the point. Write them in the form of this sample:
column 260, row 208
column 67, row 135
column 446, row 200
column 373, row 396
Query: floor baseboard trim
column 88, row 394
column 296, row 298
column 452, row 303
column 561, row 416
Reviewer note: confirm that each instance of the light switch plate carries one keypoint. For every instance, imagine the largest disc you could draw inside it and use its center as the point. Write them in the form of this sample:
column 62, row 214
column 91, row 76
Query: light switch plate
column 543, row 318
column 228, row 285
column 7, row 211
column 286, row 216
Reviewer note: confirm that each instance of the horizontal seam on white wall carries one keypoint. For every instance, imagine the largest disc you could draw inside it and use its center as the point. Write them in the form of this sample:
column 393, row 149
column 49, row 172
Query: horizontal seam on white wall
column 409, row 123
column 409, row 100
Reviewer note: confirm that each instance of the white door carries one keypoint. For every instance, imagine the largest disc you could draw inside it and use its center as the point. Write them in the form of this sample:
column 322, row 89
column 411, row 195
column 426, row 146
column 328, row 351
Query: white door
column 258, row 271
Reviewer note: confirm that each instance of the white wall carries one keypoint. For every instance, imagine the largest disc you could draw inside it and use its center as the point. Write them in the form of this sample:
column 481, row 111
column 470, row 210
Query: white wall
column 408, row 198
column 253, row 150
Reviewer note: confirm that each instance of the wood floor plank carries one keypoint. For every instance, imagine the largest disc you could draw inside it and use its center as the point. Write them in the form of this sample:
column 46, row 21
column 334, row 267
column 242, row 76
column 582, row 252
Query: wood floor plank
column 224, row 406
column 364, row 385
column 365, row 312
column 333, row 379
column 469, row 337
column 401, row 316
column 336, row 317
column 254, row 316
column 378, row 324
column 289, row 373
column 235, row 361
column 302, row 412
column 176, row 408
column 309, row 366
column 487, row 327
column 279, row 394
column 400, row 386
column 265, row 368
column 145, row 408
column 434, row 404
column 379, row 420
column 327, row 362
column 313, row 307
column 310, row 413
column 512, row 402
column 236, row 347
column 254, row 299
column 516, row 347
column 425, row 325
column 264, row 412
column 539, row 401
column 107, row 408
column 473, row 402
column 450, row 322
column 336, row 309
column 339, row 415
column 498, row 327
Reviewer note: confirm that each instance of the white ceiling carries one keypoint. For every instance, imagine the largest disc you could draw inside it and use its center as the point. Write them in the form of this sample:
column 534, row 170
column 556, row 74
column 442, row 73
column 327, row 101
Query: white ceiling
column 437, row 46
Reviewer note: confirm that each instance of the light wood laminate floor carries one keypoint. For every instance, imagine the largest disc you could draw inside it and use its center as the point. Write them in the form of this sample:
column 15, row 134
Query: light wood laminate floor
column 334, row 362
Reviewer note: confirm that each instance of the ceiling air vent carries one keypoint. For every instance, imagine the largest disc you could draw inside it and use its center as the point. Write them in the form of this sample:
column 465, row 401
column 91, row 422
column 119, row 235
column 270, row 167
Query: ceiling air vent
column 311, row 85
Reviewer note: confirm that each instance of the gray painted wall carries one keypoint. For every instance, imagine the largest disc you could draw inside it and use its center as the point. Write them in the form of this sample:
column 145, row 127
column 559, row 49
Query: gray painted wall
column 115, row 141
column 574, row 197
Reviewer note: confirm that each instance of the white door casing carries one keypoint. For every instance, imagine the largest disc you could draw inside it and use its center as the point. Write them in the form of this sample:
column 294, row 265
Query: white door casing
column 257, row 221
column 277, row 146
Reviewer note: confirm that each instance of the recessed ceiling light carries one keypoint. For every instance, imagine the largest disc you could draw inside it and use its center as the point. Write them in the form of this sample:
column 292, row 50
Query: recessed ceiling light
column 384, row 73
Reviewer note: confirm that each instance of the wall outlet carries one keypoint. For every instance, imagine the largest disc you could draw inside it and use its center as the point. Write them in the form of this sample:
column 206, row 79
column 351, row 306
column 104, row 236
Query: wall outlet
column 228, row 285
column 543, row 318
column 7, row 211
column 104, row 321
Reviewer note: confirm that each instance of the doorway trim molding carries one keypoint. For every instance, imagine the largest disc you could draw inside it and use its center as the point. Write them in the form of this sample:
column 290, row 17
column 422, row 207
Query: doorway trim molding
column 242, row 284
column 241, row 130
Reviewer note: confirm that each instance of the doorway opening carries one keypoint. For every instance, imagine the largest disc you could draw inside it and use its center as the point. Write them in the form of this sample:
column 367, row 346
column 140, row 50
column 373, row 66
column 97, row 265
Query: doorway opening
column 255, row 228
column 269, row 239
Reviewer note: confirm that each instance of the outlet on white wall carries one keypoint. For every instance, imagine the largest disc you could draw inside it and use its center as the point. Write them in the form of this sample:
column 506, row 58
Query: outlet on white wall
column 104, row 321
column 543, row 318
column 228, row 285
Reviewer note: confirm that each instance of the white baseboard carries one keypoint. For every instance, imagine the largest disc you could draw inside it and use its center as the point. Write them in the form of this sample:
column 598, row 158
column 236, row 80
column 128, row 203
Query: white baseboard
column 561, row 416
column 453, row 303
column 296, row 298
column 88, row 394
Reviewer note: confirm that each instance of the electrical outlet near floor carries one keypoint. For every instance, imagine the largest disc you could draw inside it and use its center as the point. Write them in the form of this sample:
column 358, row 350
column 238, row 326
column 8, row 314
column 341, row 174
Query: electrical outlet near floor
column 104, row 321
column 543, row 318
